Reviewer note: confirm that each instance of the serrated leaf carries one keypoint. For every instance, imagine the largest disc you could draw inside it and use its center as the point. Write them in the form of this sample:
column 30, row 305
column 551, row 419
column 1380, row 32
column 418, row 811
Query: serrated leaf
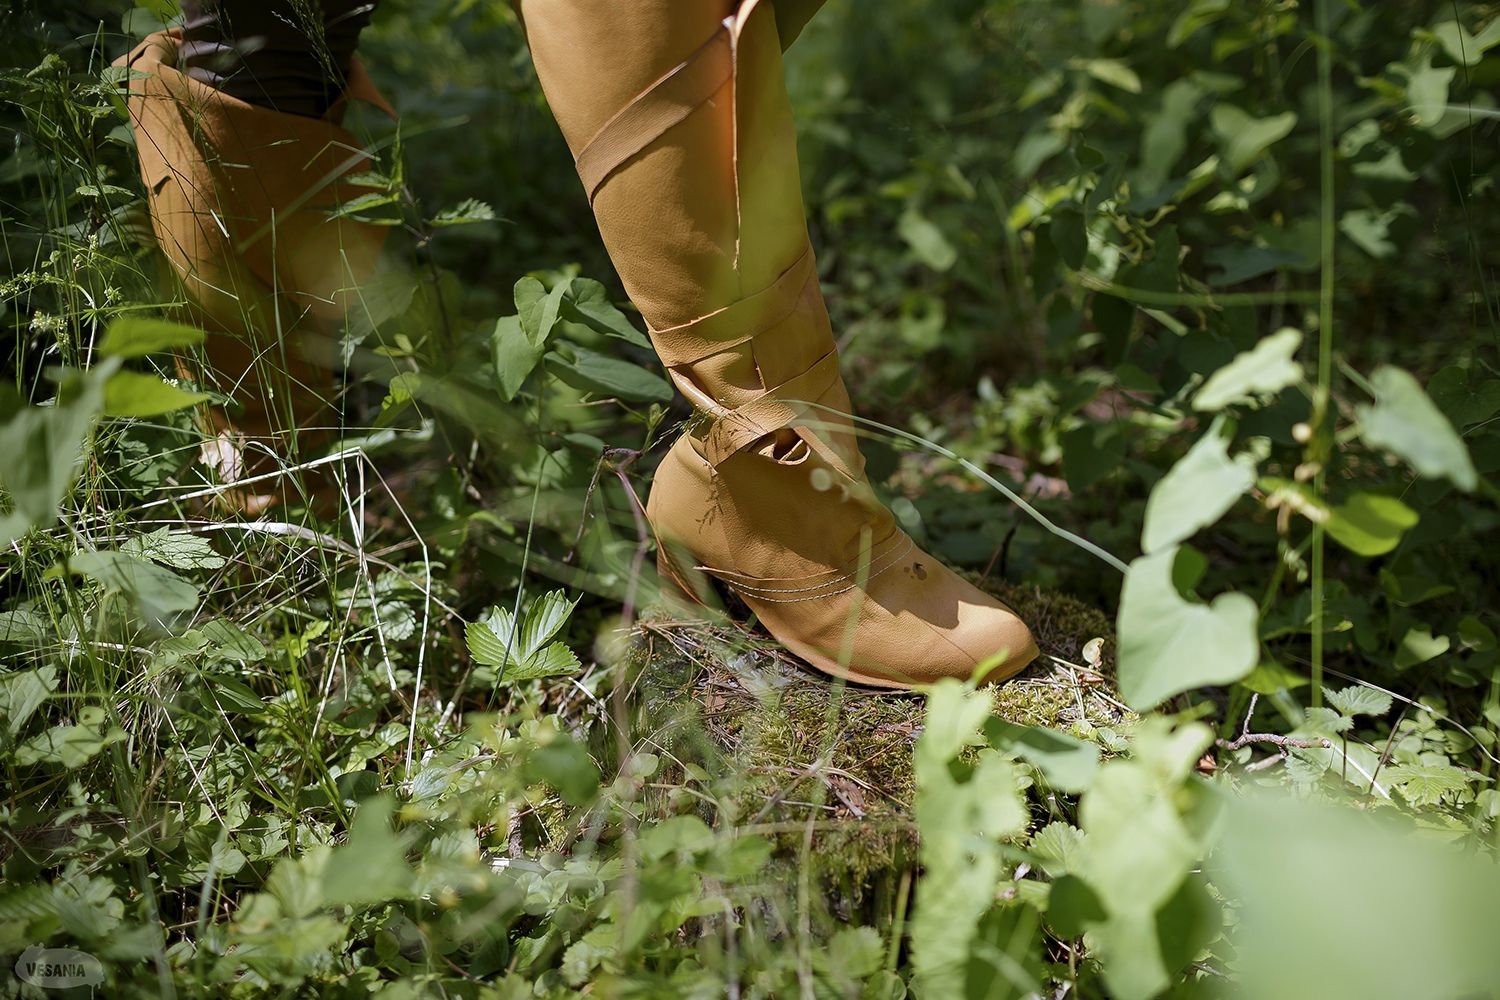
column 228, row 641
column 1426, row 784
column 492, row 642
column 1169, row 645
column 1057, row 845
column 137, row 394
column 466, row 212
column 174, row 549
column 544, row 619
column 1405, row 421
column 138, row 336
column 1369, row 524
column 1266, row 368
column 1196, row 492
column 1358, row 700
column 553, row 661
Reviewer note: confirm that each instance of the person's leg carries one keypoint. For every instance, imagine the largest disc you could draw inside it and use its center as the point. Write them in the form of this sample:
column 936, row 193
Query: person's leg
column 682, row 132
column 244, row 201
column 288, row 55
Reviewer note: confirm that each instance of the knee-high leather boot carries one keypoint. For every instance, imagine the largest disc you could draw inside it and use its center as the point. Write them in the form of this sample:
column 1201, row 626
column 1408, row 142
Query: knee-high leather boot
column 240, row 198
column 679, row 122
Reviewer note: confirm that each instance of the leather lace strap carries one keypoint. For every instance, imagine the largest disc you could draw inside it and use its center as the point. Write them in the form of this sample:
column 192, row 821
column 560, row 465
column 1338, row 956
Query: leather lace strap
column 777, row 407
column 664, row 104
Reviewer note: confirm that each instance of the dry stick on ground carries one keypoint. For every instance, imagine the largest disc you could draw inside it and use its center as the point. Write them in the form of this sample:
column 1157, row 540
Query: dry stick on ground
column 1246, row 737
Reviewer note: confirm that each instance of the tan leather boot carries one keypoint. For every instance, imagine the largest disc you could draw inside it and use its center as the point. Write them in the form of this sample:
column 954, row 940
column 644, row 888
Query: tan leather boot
column 683, row 137
column 240, row 199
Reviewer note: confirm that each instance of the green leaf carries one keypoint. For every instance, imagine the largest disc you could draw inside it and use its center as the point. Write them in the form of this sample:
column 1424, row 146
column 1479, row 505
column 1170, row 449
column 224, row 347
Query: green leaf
column 538, row 307
column 466, row 212
column 1464, row 396
column 157, row 593
column 1427, row 784
column 137, row 394
column 555, row 660
column 516, row 355
column 599, row 373
column 926, row 240
column 175, row 549
column 1241, row 263
column 1405, row 421
column 228, row 641
column 22, row 692
column 1270, row 677
column 1197, row 491
column 1357, row 699
column 1057, row 845
column 544, row 620
column 1418, row 646
column 589, row 304
column 42, row 446
column 1072, row 907
column 1427, row 91
column 1266, row 368
column 1169, row 645
column 137, row 336
column 1463, row 48
column 1242, row 138
column 70, row 746
column 1113, row 72
column 1067, row 762
column 1069, row 234
column 1369, row 524
column 371, row 867
column 491, row 640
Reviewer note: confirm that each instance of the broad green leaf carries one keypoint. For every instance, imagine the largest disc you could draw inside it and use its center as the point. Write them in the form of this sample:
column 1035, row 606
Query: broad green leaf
column 138, row 336
column 24, row 625
column 1067, row 762
column 589, row 304
column 1405, row 421
column 1418, row 646
column 137, row 394
column 1463, row 48
column 159, row 594
column 228, row 641
column 555, row 660
column 516, row 355
column 1196, row 491
column 1069, row 234
column 22, row 692
column 1464, row 395
column 1164, row 139
column 1266, row 368
column 926, row 240
column 1357, row 699
column 1198, row 15
column 1169, row 645
column 42, row 446
column 490, row 641
column 1072, row 907
column 599, row 373
column 174, row 549
column 371, row 867
column 538, row 307
column 1369, row 524
column 1270, row 677
column 565, row 765
column 1113, row 72
column 1370, row 228
column 1242, row 262
column 70, row 746
column 1243, row 138
column 1427, row 91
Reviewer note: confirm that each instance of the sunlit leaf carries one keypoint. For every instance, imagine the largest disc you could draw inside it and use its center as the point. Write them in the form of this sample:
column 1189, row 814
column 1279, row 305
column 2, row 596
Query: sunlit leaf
column 1266, row 368
column 1405, row 421
column 137, row 394
column 1196, row 491
column 138, row 336
column 1370, row 524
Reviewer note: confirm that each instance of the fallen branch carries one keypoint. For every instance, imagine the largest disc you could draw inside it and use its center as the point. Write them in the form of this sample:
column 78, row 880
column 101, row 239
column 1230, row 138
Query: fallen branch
column 1276, row 741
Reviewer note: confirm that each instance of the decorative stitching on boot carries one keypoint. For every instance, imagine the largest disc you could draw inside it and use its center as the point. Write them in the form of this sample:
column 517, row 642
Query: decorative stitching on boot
column 821, row 593
column 883, row 556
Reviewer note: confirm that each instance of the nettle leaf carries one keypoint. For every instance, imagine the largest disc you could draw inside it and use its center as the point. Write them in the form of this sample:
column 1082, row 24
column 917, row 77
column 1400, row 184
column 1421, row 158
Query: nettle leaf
column 1359, row 700
column 599, row 373
column 1405, row 421
column 1168, row 645
column 1266, row 368
column 1197, row 491
column 137, row 394
column 516, row 355
column 589, row 304
column 1369, row 524
column 1427, row 784
column 138, row 336
column 174, row 549
column 1243, row 138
